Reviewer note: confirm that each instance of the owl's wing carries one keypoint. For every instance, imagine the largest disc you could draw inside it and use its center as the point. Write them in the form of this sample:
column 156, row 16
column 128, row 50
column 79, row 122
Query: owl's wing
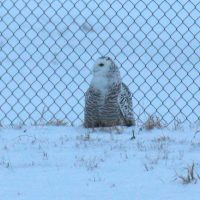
column 126, row 105
column 91, row 109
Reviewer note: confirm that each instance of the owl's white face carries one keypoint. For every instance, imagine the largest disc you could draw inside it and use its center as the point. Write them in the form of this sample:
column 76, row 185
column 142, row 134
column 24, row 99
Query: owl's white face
column 101, row 74
column 102, row 66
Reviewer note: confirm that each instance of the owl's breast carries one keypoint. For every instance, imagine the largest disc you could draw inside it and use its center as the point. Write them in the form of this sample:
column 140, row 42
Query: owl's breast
column 109, row 107
column 101, row 84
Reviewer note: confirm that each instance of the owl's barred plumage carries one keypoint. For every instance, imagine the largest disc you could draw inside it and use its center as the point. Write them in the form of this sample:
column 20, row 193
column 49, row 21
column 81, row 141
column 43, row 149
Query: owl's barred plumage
column 108, row 101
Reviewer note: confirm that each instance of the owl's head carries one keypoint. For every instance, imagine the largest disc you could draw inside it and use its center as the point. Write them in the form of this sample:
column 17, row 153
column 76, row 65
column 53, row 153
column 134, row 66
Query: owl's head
column 103, row 66
column 105, row 73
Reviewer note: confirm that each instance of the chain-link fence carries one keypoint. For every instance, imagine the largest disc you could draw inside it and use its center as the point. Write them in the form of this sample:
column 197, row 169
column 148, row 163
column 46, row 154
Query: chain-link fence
column 47, row 49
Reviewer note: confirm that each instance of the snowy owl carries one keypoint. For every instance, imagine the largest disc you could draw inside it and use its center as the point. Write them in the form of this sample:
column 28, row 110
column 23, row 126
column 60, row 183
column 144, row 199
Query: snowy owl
column 108, row 101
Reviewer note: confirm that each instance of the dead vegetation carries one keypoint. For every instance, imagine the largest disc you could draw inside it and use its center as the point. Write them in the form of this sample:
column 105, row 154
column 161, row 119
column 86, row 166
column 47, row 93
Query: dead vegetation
column 57, row 122
column 153, row 122
column 162, row 138
column 190, row 177
column 89, row 163
column 111, row 129
column 177, row 124
column 52, row 122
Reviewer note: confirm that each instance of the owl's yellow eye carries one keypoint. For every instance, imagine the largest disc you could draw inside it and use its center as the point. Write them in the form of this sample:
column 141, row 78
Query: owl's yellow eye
column 101, row 64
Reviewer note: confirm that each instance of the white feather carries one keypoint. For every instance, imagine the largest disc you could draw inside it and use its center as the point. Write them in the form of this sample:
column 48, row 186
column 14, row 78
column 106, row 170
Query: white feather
column 100, row 83
column 100, row 80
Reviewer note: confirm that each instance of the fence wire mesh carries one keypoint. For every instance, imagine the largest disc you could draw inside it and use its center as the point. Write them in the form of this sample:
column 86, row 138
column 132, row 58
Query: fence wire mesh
column 47, row 49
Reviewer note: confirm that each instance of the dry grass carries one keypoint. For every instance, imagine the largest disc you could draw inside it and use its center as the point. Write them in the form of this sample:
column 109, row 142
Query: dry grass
column 153, row 122
column 195, row 134
column 52, row 122
column 190, row 177
column 162, row 138
column 85, row 137
column 111, row 129
column 56, row 122
column 89, row 163
column 177, row 124
column 5, row 163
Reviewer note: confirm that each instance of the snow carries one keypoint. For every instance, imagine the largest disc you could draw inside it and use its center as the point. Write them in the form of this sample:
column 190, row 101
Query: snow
column 47, row 162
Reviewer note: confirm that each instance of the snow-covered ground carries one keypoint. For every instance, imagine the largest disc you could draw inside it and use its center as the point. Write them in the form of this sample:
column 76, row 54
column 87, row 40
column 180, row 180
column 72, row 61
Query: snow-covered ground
column 73, row 163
